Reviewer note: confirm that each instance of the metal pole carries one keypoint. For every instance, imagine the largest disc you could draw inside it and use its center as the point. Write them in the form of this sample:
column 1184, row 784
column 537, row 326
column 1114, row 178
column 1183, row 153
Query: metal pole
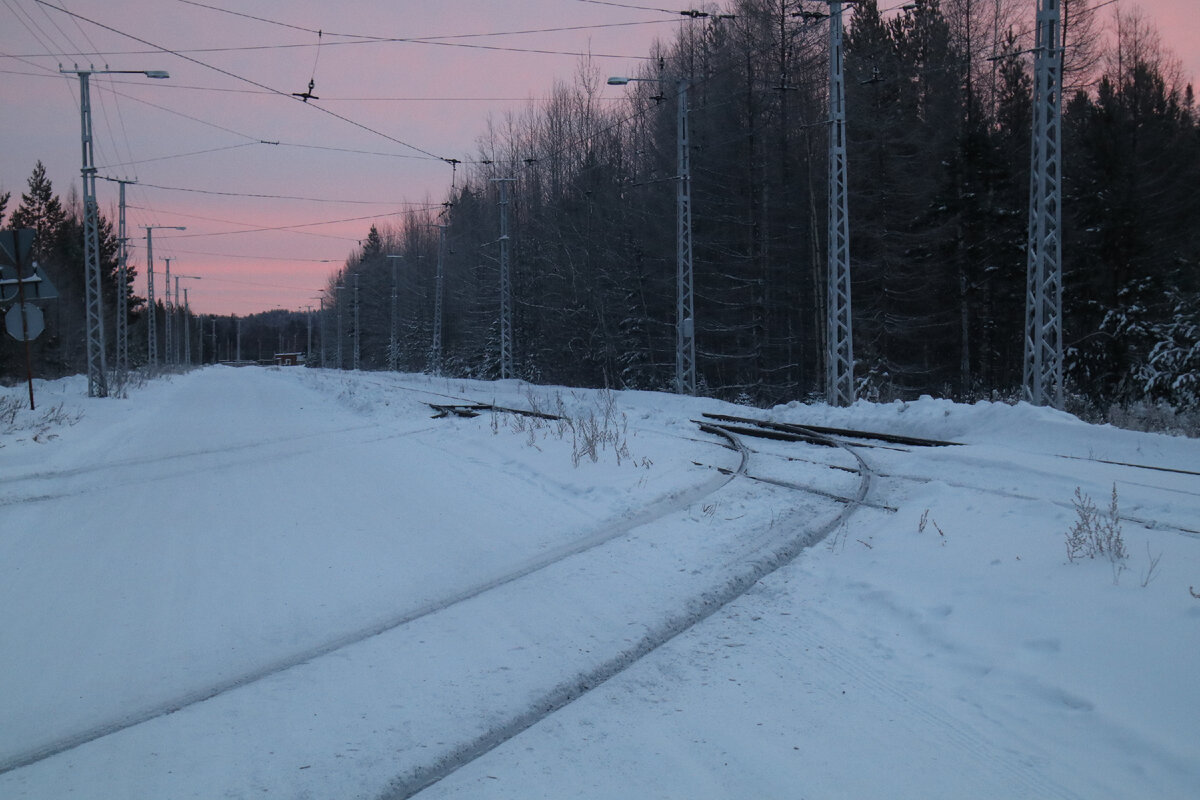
column 169, row 314
column 324, row 358
column 308, row 351
column 506, row 336
column 186, row 326
column 357, row 325
column 435, row 356
column 97, row 369
column 685, row 328
column 151, row 323
column 393, row 337
column 340, row 362
column 122, row 288
column 839, row 360
column 1042, row 379
column 16, row 253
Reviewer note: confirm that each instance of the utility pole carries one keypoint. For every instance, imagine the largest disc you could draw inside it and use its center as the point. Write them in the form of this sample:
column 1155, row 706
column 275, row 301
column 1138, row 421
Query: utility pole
column 685, row 327
column 97, row 378
column 151, row 311
column 308, row 350
column 338, row 300
column 839, row 361
column 96, row 369
column 394, row 337
column 151, row 323
column 186, row 326
column 324, row 359
column 435, row 355
column 169, row 313
column 506, row 344
column 122, row 283
column 238, row 359
column 177, row 318
column 357, row 325
column 1043, row 379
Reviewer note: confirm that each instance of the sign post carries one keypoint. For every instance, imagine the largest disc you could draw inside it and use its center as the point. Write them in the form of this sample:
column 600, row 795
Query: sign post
column 17, row 245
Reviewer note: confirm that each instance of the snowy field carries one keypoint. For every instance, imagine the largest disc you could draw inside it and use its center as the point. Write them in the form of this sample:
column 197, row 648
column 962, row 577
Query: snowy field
column 295, row 583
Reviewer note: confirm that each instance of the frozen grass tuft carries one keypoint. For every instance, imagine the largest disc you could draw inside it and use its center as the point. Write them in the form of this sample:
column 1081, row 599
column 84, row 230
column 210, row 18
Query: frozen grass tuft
column 1096, row 533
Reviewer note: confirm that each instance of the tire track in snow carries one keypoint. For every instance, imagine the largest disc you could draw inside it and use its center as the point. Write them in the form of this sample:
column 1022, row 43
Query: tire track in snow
column 657, row 509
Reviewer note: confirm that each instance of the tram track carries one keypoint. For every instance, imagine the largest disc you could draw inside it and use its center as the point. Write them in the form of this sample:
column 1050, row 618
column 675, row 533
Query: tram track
column 647, row 514
column 740, row 581
column 769, row 556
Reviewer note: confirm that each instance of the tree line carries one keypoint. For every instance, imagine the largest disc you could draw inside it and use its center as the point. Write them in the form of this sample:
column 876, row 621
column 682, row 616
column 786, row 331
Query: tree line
column 939, row 118
column 61, row 349
column 939, row 113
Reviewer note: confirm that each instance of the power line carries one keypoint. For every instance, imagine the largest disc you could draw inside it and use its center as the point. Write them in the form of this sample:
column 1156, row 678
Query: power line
column 275, row 196
column 297, row 226
column 627, row 5
column 257, row 258
column 178, row 155
column 235, row 76
column 360, row 38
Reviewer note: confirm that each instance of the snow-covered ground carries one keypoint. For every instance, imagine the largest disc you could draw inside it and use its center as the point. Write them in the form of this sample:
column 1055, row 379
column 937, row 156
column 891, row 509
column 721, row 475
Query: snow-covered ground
column 295, row 583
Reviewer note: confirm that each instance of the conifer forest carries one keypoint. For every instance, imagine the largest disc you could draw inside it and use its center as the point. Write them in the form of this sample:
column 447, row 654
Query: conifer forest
column 939, row 111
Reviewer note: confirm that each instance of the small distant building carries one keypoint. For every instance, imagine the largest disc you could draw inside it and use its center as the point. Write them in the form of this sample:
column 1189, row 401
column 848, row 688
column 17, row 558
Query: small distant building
column 289, row 359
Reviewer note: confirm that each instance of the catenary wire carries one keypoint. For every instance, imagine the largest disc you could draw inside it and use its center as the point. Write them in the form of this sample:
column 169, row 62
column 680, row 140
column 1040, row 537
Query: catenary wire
column 244, row 79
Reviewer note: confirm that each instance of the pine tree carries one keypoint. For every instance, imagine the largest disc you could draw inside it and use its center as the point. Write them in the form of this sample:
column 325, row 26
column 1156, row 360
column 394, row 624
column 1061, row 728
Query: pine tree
column 42, row 211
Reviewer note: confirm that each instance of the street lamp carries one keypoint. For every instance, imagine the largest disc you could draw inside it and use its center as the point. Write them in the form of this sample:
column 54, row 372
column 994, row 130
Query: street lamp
column 97, row 378
column 151, row 328
column 685, row 328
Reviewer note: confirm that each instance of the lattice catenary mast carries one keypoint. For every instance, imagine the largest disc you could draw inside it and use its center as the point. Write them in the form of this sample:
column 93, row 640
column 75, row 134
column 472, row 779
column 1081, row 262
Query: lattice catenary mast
column 122, row 354
column 96, row 368
column 839, row 362
column 1043, row 380
column 435, row 351
column 506, row 345
column 685, row 323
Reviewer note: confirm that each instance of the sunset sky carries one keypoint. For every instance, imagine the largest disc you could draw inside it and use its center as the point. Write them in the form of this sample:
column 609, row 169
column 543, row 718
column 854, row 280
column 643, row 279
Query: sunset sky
column 201, row 144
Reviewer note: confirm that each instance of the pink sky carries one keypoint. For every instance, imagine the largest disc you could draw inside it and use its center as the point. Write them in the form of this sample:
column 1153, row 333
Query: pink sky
column 434, row 97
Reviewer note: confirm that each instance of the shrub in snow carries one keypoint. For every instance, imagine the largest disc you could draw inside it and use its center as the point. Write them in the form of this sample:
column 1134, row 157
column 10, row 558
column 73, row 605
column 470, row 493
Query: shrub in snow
column 1095, row 533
